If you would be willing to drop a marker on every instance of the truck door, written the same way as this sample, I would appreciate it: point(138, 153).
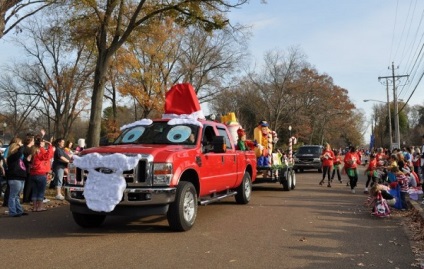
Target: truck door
point(213, 170)
point(229, 164)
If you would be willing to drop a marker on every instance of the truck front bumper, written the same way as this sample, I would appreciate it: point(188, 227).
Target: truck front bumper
point(131, 196)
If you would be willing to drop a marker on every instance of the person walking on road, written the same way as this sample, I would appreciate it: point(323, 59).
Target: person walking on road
point(336, 166)
point(351, 161)
point(370, 172)
point(327, 158)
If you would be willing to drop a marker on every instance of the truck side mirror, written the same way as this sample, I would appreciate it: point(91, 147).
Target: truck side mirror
point(219, 145)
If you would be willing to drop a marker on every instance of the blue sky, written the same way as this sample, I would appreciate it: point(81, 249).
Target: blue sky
point(353, 41)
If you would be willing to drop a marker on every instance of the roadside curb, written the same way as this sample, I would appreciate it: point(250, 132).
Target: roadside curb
point(417, 207)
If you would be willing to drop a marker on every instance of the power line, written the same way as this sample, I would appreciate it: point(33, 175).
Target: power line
point(393, 77)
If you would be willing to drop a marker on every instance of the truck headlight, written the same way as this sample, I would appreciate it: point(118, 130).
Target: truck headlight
point(162, 174)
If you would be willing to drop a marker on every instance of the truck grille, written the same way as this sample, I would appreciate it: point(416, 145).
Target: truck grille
point(139, 176)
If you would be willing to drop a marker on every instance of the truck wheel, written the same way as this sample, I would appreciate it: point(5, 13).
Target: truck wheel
point(288, 182)
point(293, 175)
point(244, 191)
point(183, 211)
point(88, 221)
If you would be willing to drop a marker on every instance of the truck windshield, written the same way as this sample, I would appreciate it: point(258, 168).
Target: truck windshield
point(159, 133)
point(309, 150)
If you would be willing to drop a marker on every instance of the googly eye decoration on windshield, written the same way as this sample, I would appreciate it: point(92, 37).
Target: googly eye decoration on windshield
point(133, 134)
point(179, 134)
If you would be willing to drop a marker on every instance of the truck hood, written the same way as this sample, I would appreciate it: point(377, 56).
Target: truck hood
point(162, 151)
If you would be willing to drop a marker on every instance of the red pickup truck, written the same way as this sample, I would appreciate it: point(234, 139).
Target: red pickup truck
point(180, 166)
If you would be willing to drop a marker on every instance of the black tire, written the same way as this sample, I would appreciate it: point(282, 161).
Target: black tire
point(88, 221)
point(293, 173)
point(183, 211)
point(319, 170)
point(244, 191)
point(287, 183)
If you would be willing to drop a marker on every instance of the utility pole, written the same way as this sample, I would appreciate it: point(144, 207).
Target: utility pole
point(389, 114)
point(395, 101)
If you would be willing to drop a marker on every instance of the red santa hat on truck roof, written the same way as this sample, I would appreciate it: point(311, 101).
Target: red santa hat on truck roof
point(182, 105)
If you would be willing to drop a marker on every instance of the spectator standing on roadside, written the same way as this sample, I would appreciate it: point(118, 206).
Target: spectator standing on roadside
point(40, 166)
point(336, 166)
point(16, 174)
point(422, 158)
point(327, 158)
point(68, 148)
point(401, 163)
point(416, 161)
point(2, 171)
point(28, 143)
point(6, 194)
point(351, 161)
point(60, 163)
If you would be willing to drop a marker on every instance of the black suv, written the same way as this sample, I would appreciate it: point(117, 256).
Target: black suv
point(308, 157)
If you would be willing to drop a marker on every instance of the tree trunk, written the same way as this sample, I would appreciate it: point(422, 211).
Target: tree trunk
point(94, 127)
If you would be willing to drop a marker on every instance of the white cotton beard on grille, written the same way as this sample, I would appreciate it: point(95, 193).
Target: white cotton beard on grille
point(103, 192)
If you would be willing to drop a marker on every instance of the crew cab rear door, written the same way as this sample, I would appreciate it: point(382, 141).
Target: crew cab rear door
point(217, 169)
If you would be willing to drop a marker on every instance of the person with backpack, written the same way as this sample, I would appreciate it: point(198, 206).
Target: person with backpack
point(16, 174)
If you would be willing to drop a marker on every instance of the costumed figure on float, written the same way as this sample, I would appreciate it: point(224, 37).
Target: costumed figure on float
point(242, 143)
point(263, 136)
point(232, 125)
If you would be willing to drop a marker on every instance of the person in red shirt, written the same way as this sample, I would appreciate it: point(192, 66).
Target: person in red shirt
point(337, 164)
point(327, 158)
point(40, 166)
point(381, 157)
point(351, 161)
point(370, 172)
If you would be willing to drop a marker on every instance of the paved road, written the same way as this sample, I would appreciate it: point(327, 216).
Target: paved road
point(310, 227)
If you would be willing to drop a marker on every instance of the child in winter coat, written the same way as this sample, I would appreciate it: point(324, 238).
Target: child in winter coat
point(403, 182)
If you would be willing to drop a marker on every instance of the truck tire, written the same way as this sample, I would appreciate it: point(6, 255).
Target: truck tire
point(288, 182)
point(88, 221)
point(293, 173)
point(244, 191)
point(183, 211)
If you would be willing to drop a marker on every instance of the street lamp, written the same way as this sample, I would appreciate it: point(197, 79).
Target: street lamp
point(290, 128)
point(373, 100)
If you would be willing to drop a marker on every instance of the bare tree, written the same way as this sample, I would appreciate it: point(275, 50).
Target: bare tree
point(13, 12)
point(112, 23)
point(17, 103)
point(59, 72)
point(209, 60)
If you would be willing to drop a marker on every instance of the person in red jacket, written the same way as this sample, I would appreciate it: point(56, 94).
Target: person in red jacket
point(337, 164)
point(351, 161)
point(327, 158)
point(370, 172)
point(40, 166)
